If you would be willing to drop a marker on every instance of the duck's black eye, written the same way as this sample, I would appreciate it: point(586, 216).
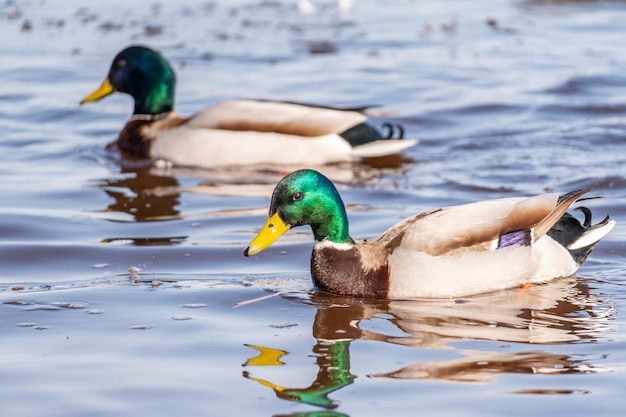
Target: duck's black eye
point(121, 63)
point(298, 196)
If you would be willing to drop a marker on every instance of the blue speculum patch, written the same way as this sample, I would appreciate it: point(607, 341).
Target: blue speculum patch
point(517, 238)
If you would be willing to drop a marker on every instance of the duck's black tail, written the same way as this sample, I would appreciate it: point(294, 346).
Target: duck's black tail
point(580, 238)
point(365, 133)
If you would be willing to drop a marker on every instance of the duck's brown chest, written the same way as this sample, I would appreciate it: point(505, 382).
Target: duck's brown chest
point(342, 272)
point(132, 140)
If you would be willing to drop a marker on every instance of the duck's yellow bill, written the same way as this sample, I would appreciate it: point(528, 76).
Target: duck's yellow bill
point(273, 229)
point(105, 89)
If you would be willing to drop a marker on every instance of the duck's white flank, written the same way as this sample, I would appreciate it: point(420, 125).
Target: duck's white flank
point(418, 274)
point(215, 147)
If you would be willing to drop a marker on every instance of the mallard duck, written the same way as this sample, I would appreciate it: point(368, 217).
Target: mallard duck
point(238, 132)
point(449, 252)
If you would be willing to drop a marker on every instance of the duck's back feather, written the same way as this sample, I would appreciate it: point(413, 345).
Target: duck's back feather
point(472, 226)
point(275, 116)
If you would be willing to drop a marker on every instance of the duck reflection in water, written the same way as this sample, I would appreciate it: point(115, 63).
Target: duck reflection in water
point(152, 191)
point(333, 360)
point(562, 311)
point(142, 193)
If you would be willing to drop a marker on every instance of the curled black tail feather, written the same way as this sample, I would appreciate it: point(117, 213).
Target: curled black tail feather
point(587, 213)
point(391, 130)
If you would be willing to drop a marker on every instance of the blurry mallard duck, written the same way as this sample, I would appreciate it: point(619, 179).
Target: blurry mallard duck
point(238, 132)
point(448, 252)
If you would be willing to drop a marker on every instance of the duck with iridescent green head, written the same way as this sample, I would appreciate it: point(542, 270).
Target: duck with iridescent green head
point(444, 253)
point(237, 132)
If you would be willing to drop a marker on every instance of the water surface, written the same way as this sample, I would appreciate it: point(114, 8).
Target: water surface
point(123, 289)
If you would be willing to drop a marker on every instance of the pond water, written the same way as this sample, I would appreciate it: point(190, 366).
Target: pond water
point(123, 289)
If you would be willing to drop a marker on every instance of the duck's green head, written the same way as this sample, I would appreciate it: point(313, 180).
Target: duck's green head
point(145, 75)
point(304, 197)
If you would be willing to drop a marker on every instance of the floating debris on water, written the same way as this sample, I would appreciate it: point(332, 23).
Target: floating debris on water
point(142, 327)
point(152, 30)
point(67, 305)
point(134, 273)
point(194, 305)
point(43, 307)
point(18, 303)
point(110, 26)
point(322, 47)
point(13, 13)
point(265, 297)
point(284, 325)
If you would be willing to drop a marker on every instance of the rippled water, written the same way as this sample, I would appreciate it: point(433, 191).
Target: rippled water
point(122, 286)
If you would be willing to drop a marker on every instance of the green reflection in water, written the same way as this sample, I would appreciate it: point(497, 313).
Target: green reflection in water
point(333, 360)
point(320, 413)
